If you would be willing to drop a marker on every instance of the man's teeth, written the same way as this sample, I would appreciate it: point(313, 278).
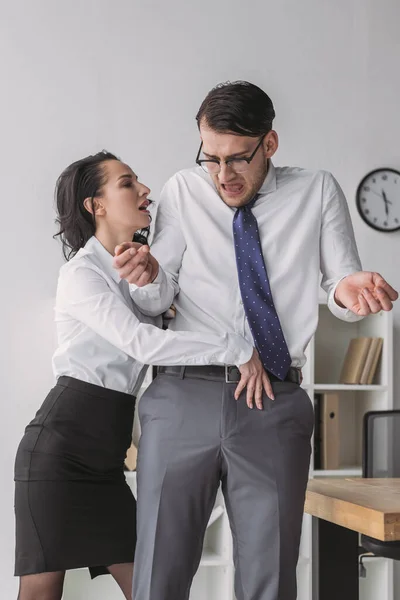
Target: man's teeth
point(233, 188)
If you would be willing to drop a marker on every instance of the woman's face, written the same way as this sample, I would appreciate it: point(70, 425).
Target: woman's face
point(123, 202)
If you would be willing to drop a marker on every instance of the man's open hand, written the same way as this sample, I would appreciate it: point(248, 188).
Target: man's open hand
point(365, 292)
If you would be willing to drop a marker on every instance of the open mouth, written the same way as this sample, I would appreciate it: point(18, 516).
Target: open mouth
point(233, 189)
point(144, 206)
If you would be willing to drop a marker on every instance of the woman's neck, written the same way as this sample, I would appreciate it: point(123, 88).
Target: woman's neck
point(111, 239)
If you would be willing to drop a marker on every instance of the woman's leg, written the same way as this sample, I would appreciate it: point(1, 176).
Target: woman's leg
point(123, 574)
point(41, 586)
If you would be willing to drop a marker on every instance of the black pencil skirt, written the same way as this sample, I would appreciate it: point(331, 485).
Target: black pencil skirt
point(73, 507)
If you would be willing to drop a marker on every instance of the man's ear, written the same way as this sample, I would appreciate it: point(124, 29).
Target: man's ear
point(270, 144)
point(94, 206)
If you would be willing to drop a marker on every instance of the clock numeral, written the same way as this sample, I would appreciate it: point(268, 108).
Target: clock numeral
point(366, 211)
point(366, 188)
point(396, 220)
point(384, 177)
point(373, 180)
point(363, 199)
point(385, 223)
point(375, 220)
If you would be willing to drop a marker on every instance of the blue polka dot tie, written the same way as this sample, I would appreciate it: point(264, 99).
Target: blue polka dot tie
point(256, 294)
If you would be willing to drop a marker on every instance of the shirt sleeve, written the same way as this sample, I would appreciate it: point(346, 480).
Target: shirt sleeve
point(338, 250)
point(156, 297)
point(168, 247)
point(86, 296)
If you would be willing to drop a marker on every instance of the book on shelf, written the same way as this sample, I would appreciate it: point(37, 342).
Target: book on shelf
point(327, 431)
point(361, 360)
point(317, 431)
point(371, 361)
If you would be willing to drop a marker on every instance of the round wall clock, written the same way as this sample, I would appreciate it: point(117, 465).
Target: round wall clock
point(378, 199)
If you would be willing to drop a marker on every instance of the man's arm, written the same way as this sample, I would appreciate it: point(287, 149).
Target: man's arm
point(352, 293)
point(153, 287)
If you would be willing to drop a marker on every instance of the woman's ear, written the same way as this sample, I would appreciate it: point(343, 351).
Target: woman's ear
point(94, 206)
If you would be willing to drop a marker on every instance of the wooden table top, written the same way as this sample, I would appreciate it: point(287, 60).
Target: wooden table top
point(369, 506)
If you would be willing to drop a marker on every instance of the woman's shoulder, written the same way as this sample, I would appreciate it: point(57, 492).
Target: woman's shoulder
point(83, 260)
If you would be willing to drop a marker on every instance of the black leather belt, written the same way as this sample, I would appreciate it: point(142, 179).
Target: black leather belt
point(229, 374)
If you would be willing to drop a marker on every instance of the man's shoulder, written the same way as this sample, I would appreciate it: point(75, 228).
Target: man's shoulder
point(195, 173)
point(302, 174)
point(193, 179)
point(319, 181)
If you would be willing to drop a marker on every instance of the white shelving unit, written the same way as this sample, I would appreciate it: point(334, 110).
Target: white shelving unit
point(325, 353)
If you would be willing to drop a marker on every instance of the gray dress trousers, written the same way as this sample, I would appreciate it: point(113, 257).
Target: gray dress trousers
point(196, 436)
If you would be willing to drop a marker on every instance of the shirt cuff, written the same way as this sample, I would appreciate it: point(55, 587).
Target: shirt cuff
point(338, 311)
point(152, 288)
point(239, 350)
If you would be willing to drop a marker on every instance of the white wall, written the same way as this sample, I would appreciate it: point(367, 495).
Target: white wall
point(83, 75)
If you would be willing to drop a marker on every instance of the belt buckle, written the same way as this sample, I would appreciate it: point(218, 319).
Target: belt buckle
point(228, 374)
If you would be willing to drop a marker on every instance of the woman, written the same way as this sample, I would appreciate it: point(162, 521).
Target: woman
point(73, 507)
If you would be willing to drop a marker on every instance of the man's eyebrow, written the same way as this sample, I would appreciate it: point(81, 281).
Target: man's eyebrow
point(236, 155)
point(212, 156)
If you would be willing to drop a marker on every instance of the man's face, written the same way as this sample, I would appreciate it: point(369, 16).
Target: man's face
point(237, 189)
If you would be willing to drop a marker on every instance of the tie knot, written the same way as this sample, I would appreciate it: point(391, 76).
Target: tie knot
point(250, 204)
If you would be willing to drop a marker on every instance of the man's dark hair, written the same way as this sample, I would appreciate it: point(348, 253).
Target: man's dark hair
point(238, 107)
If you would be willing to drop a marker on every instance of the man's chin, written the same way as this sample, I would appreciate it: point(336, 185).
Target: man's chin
point(233, 200)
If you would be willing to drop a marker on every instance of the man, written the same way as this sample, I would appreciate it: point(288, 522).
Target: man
point(240, 245)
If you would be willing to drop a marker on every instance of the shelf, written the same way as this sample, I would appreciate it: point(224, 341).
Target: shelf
point(303, 562)
point(217, 512)
point(375, 559)
point(343, 472)
point(342, 387)
point(212, 559)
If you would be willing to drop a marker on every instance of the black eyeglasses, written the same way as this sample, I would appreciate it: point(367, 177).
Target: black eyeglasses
point(237, 165)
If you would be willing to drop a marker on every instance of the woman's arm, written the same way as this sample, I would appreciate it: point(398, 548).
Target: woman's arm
point(85, 295)
point(168, 247)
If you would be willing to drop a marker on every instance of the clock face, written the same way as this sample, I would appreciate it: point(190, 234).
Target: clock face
point(378, 199)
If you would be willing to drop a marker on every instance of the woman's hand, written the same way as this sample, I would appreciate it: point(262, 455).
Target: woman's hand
point(135, 263)
point(256, 380)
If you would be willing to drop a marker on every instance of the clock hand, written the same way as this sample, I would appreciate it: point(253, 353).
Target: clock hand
point(385, 197)
point(376, 193)
point(386, 202)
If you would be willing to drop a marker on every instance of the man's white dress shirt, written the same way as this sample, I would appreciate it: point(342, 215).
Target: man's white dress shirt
point(305, 230)
point(104, 339)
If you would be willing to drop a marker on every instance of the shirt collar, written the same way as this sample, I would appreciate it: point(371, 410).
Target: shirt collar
point(269, 184)
point(104, 257)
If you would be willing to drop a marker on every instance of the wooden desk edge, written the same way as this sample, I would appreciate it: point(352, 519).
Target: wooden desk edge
point(371, 522)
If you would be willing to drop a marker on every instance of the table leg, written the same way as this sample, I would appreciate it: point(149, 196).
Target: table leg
point(335, 562)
